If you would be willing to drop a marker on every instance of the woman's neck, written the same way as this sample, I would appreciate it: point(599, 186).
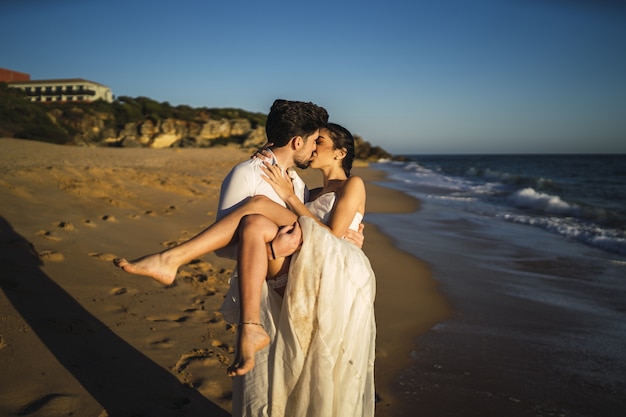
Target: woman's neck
point(333, 178)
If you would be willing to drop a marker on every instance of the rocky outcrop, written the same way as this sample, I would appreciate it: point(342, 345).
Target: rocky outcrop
point(98, 129)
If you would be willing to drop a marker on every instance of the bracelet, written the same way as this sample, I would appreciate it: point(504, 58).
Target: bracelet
point(272, 249)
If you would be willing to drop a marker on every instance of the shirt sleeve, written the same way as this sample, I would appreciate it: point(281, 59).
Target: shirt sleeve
point(236, 187)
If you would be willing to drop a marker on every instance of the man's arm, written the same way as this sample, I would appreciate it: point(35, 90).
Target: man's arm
point(234, 192)
point(354, 237)
point(235, 188)
point(289, 239)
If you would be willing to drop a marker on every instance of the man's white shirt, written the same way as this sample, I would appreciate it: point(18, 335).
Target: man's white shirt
point(246, 180)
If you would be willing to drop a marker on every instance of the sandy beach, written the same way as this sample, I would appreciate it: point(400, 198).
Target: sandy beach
point(81, 337)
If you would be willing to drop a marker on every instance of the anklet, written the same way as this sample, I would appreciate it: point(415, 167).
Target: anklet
point(249, 322)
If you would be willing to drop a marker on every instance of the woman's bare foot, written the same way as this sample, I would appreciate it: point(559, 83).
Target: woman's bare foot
point(252, 338)
point(154, 266)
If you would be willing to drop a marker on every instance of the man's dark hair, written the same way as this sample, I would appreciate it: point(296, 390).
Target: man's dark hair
point(287, 119)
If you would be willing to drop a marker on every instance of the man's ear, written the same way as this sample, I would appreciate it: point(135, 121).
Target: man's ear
point(296, 142)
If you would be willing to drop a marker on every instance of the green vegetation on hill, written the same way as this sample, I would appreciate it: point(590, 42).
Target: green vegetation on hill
point(22, 119)
point(65, 123)
point(132, 110)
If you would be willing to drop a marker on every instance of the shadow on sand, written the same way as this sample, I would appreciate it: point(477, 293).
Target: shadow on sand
point(119, 377)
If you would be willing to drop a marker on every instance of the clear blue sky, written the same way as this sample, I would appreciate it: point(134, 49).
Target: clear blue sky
point(448, 76)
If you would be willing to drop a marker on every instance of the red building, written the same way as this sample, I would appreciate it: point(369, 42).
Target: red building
point(9, 76)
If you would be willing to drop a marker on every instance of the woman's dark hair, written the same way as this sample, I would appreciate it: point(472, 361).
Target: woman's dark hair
point(287, 119)
point(342, 139)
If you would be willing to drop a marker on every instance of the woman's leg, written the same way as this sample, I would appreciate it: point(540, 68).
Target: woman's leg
point(252, 263)
point(163, 266)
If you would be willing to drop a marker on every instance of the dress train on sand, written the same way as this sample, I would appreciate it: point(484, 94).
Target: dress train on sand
point(325, 339)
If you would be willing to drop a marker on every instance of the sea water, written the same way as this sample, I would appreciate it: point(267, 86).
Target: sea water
point(578, 197)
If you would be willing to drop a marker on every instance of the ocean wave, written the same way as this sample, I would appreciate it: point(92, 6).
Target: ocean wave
point(553, 204)
point(417, 168)
point(493, 179)
point(611, 240)
point(418, 176)
point(506, 178)
point(575, 197)
point(452, 198)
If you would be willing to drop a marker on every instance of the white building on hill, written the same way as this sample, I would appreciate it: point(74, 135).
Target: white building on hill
point(71, 89)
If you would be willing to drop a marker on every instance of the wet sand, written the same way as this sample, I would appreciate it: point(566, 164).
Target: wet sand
point(537, 324)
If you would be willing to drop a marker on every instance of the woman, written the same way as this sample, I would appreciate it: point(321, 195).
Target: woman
point(323, 354)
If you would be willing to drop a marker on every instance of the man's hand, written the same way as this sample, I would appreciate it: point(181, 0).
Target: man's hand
point(287, 241)
point(356, 238)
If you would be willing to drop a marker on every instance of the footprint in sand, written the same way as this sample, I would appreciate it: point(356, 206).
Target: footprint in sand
point(66, 226)
point(108, 218)
point(217, 317)
point(200, 359)
point(170, 317)
point(89, 223)
point(165, 343)
point(186, 358)
point(51, 256)
point(118, 291)
point(198, 313)
point(138, 216)
point(199, 301)
point(218, 321)
point(103, 256)
point(46, 234)
point(50, 235)
point(224, 346)
point(200, 265)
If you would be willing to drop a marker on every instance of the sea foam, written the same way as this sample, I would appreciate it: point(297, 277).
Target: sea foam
point(529, 198)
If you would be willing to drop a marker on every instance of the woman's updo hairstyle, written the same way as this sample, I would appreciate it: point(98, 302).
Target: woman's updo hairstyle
point(342, 139)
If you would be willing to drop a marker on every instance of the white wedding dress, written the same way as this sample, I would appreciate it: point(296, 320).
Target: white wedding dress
point(321, 358)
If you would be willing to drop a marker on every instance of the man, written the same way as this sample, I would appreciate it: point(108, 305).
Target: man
point(293, 128)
